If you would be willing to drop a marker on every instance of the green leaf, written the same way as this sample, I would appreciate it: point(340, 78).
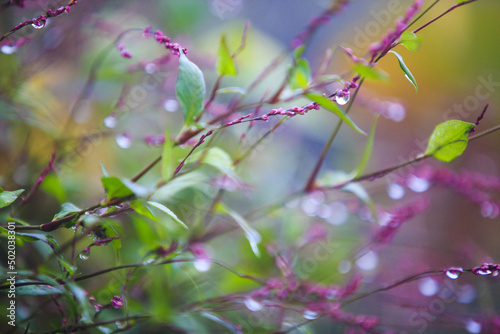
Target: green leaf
point(114, 187)
point(168, 212)
point(140, 207)
point(217, 158)
point(66, 265)
point(251, 234)
point(232, 90)
point(406, 70)
point(7, 197)
point(66, 210)
point(410, 40)
point(190, 89)
point(225, 63)
point(167, 159)
point(449, 140)
point(333, 107)
point(167, 192)
point(86, 310)
point(52, 185)
point(370, 72)
point(300, 74)
point(117, 188)
point(104, 172)
point(368, 151)
point(37, 290)
point(299, 51)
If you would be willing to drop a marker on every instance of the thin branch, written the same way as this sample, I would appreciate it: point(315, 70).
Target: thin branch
point(440, 16)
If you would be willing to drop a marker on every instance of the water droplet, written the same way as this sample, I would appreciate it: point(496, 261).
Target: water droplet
point(8, 49)
point(253, 305)
point(483, 272)
point(473, 326)
point(454, 273)
point(428, 287)
point(342, 100)
point(417, 184)
point(110, 121)
point(171, 105)
point(369, 261)
point(151, 68)
point(202, 265)
point(395, 191)
point(344, 267)
point(124, 140)
point(84, 255)
point(339, 214)
point(38, 24)
point(149, 261)
point(121, 324)
point(310, 315)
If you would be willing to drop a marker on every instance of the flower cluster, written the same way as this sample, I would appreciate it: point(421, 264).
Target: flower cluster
point(487, 269)
point(381, 48)
point(116, 303)
point(161, 38)
point(123, 52)
point(40, 21)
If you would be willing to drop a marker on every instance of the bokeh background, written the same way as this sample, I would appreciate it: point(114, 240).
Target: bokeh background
point(41, 79)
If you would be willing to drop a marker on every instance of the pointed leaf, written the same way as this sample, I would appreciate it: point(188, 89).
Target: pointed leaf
point(140, 207)
point(370, 72)
point(368, 151)
point(251, 234)
point(8, 197)
point(449, 140)
point(66, 210)
point(410, 40)
point(168, 212)
point(232, 90)
point(332, 106)
point(217, 158)
point(298, 51)
point(190, 89)
point(406, 70)
point(300, 74)
point(167, 159)
point(117, 188)
point(104, 172)
point(37, 290)
point(225, 63)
